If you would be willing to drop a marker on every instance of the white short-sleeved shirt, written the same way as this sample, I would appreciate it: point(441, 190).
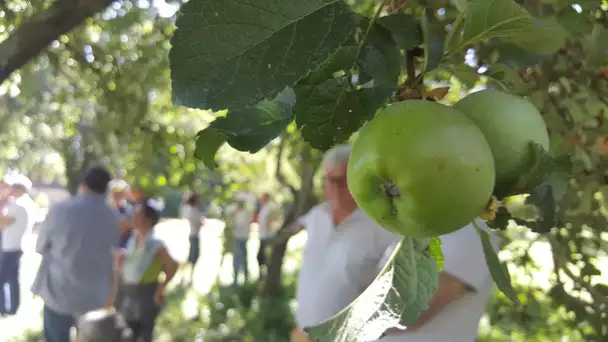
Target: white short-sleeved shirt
point(338, 263)
point(464, 260)
point(242, 222)
point(19, 209)
point(194, 216)
point(266, 219)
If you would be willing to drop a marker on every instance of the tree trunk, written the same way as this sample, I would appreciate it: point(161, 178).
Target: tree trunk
point(304, 201)
point(75, 165)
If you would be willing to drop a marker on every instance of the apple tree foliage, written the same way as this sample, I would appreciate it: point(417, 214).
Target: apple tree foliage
point(329, 65)
point(98, 94)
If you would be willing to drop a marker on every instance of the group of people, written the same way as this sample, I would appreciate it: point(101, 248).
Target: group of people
point(239, 221)
point(98, 251)
point(16, 217)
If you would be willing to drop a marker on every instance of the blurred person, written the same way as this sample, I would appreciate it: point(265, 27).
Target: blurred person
point(182, 204)
point(465, 286)
point(242, 228)
point(4, 197)
point(342, 252)
point(14, 222)
point(193, 214)
point(268, 219)
point(140, 267)
point(4, 192)
point(256, 212)
point(76, 242)
point(119, 195)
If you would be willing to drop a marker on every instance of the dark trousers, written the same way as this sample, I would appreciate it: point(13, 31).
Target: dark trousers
point(239, 259)
point(56, 326)
point(142, 331)
point(262, 252)
point(9, 277)
point(139, 310)
point(195, 249)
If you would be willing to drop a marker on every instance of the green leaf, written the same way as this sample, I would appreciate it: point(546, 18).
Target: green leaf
point(545, 198)
point(435, 251)
point(399, 295)
point(539, 167)
point(331, 111)
point(587, 5)
point(542, 197)
point(502, 219)
point(380, 58)
point(342, 60)
point(576, 23)
point(498, 270)
point(231, 54)
point(545, 37)
point(498, 75)
point(506, 78)
point(208, 142)
point(433, 43)
point(504, 19)
point(465, 74)
point(427, 275)
point(461, 5)
point(405, 29)
point(248, 129)
point(596, 47)
point(516, 57)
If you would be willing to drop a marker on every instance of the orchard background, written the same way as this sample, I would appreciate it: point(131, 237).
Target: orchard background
point(218, 108)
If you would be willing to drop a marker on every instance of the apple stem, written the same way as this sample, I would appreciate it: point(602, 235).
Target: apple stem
point(392, 192)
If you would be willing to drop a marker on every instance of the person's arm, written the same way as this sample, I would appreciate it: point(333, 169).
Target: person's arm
point(464, 271)
point(169, 268)
point(449, 290)
point(118, 257)
point(46, 230)
point(6, 220)
point(293, 229)
point(125, 225)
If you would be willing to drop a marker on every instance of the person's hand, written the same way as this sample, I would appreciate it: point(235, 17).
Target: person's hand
point(298, 335)
point(159, 296)
point(109, 304)
point(119, 257)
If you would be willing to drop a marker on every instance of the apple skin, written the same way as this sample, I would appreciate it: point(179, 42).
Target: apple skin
point(508, 122)
point(433, 157)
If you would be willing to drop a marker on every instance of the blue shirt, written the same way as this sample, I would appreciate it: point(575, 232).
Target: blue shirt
point(76, 241)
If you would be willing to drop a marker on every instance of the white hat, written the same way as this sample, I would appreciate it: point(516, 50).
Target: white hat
point(119, 185)
point(18, 179)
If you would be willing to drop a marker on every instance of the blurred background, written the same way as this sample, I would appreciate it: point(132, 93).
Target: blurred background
point(101, 95)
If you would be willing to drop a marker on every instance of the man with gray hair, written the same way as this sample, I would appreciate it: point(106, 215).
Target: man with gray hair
point(15, 220)
point(343, 248)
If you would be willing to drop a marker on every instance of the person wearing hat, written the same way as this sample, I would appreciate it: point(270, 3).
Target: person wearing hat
point(77, 242)
point(119, 192)
point(14, 222)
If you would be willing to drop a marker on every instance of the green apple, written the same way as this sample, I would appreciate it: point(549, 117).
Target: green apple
point(509, 123)
point(421, 169)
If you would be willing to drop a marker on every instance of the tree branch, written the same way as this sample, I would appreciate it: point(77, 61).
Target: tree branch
point(279, 175)
point(38, 31)
point(578, 281)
